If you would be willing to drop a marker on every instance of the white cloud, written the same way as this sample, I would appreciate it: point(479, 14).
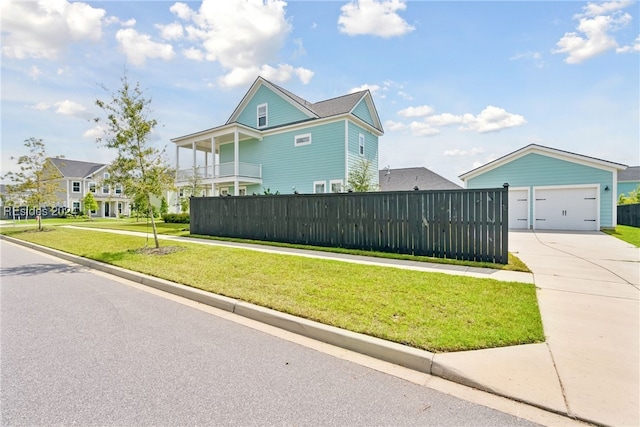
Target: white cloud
point(446, 119)
point(138, 47)
point(300, 50)
point(94, 132)
point(423, 129)
point(35, 72)
point(421, 111)
point(71, 108)
point(65, 108)
point(492, 119)
point(457, 152)
point(372, 88)
point(193, 54)
point(535, 57)
point(240, 76)
point(42, 106)
point(405, 96)
point(372, 17)
point(593, 36)
point(635, 47)
point(595, 9)
point(394, 126)
point(45, 28)
point(173, 31)
point(244, 36)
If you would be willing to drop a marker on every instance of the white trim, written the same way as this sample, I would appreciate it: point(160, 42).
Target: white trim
point(362, 140)
point(545, 151)
point(266, 115)
point(336, 181)
point(614, 199)
point(302, 136)
point(324, 183)
point(567, 187)
point(79, 186)
point(346, 149)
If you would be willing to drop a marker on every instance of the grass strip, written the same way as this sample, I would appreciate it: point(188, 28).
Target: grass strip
point(514, 264)
point(626, 233)
point(431, 311)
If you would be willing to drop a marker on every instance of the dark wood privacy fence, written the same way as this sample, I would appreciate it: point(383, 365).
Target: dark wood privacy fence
point(629, 215)
point(457, 224)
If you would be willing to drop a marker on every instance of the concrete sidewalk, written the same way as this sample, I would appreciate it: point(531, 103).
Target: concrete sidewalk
point(588, 291)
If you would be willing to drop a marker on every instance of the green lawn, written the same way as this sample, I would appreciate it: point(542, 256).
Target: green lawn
point(431, 311)
point(515, 264)
point(626, 233)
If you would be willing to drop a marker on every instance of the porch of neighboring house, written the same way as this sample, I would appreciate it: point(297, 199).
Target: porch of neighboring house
point(230, 176)
point(112, 208)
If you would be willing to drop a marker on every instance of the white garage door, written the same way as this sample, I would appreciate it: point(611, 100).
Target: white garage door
point(519, 208)
point(566, 208)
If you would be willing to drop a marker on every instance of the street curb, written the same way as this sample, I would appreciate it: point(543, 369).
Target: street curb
point(409, 357)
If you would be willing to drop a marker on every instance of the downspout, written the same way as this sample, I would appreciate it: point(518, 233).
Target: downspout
point(346, 153)
point(236, 163)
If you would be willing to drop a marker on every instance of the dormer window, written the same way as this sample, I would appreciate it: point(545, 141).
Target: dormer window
point(262, 115)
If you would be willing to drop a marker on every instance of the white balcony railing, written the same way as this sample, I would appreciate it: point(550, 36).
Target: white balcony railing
point(222, 170)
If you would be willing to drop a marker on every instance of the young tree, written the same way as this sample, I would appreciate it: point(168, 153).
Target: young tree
point(139, 167)
point(35, 181)
point(361, 177)
point(164, 207)
point(194, 189)
point(90, 203)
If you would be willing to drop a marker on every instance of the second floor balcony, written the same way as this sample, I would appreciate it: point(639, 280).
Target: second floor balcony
point(223, 172)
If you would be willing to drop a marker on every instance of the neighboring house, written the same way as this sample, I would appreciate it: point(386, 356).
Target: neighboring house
point(628, 180)
point(553, 189)
point(413, 179)
point(77, 178)
point(279, 142)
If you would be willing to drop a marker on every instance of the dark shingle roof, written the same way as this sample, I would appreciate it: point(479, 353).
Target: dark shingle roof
point(408, 178)
point(75, 168)
point(632, 173)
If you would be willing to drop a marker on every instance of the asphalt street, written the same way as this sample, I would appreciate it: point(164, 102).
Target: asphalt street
point(82, 348)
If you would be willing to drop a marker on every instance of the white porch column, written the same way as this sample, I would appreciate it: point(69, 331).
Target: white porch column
point(193, 147)
point(213, 165)
point(177, 160)
point(236, 163)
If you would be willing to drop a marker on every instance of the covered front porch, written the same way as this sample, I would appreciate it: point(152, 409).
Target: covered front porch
point(204, 168)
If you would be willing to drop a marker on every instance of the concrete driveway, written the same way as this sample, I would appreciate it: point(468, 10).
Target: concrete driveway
point(589, 297)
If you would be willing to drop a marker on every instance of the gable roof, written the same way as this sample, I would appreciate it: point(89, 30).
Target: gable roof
point(75, 168)
point(408, 178)
point(545, 151)
point(632, 173)
point(328, 108)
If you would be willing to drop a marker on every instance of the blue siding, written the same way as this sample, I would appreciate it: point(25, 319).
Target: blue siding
point(285, 167)
point(370, 150)
point(362, 112)
point(538, 170)
point(626, 187)
point(279, 110)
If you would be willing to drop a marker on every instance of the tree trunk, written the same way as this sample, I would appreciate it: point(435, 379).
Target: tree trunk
point(153, 224)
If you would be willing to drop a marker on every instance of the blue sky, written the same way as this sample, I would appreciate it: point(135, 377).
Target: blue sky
point(456, 84)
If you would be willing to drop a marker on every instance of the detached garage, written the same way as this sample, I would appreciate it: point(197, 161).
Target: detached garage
point(551, 189)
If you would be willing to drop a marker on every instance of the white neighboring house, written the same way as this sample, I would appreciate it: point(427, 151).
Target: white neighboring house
point(79, 178)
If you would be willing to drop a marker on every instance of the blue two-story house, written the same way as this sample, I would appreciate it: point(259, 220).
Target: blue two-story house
point(279, 142)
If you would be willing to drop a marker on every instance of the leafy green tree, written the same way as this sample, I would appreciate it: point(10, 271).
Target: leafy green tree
point(90, 203)
point(633, 197)
point(164, 207)
point(194, 189)
point(140, 168)
point(361, 177)
point(35, 183)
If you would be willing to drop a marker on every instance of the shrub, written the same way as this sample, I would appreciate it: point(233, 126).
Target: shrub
point(179, 218)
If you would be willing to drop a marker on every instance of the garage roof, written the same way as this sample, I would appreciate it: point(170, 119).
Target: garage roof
point(545, 151)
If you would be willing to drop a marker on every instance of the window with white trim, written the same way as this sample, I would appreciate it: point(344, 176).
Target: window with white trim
point(118, 189)
point(304, 139)
point(105, 188)
point(75, 187)
point(92, 187)
point(75, 207)
point(242, 191)
point(319, 187)
point(224, 191)
point(361, 144)
point(336, 185)
point(262, 115)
